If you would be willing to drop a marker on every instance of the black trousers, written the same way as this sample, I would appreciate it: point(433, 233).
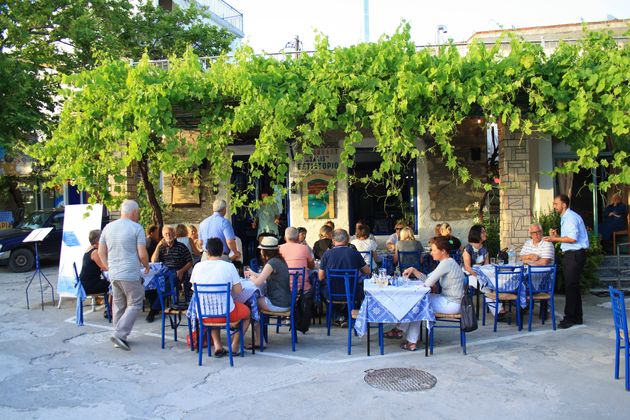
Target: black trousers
point(572, 266)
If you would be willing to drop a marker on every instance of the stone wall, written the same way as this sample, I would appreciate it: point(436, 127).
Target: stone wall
point(514, 191)
point(450, 199)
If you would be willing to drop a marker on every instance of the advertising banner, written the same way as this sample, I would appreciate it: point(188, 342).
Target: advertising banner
point(78, 221)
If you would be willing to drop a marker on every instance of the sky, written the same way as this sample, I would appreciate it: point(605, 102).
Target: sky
point(270, 24)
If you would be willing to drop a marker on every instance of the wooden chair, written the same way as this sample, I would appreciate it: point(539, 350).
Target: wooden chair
point(621, 233)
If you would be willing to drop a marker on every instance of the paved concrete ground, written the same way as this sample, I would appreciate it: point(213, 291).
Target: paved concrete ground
point(50, 368)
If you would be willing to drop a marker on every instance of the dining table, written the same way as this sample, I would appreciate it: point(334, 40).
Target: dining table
point(508, 280)
point(406, 301)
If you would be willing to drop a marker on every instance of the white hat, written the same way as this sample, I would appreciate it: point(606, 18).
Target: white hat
point(268, 242)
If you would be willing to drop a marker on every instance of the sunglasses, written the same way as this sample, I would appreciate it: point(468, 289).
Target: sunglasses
point(535, 232)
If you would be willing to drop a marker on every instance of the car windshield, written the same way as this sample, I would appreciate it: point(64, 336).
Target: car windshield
point(34, 221)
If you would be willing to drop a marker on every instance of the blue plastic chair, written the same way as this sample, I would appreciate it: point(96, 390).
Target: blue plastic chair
point(408, 259)
point(342, 288)
point(266, 316)
point(621, 331)
point(172, 308)
point(213, 301)
point(83, 295)
point(541, 281)
point(508, 283)
point(367, 254)
point(450, 319)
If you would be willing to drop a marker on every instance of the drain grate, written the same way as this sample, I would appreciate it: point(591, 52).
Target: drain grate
point(400, 379)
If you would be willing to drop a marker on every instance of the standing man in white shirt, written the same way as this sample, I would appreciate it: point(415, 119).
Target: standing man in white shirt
point(573, 243)
point(123, 250)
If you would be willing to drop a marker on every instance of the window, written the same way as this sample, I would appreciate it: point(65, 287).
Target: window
point(368, 202)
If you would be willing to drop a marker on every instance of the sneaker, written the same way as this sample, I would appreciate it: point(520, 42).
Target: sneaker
point(119, 343)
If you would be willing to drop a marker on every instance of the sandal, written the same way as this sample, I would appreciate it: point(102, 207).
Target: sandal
point(395, 333)
point(220, 353)
point(408, 346)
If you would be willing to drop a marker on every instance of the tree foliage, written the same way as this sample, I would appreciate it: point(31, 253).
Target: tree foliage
point(42, 38)
point(116, 113)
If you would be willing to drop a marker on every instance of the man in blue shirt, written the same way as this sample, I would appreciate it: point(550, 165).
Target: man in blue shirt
point(573, 243)
point(217, 226)
point(343, 256)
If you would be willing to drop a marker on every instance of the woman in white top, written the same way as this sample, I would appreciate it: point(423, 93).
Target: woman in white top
point(452, 279)
point(363, 243)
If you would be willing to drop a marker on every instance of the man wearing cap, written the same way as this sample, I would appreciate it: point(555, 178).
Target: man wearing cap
point(217, 226)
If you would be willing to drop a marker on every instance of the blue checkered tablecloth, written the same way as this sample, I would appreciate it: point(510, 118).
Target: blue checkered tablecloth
point(507, 280)
point(393, 304)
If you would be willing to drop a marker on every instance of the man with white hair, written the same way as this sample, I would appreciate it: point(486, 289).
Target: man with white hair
point(123, 250)
point(296, 255)
point(217, 226)
point(535, 251)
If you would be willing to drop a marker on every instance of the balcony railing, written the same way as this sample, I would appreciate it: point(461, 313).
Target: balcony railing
point(225, 15)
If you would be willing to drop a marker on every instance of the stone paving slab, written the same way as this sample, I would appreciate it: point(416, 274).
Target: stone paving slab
point(52, 369)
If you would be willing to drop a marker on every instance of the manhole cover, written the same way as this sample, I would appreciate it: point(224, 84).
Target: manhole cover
point(400, 379)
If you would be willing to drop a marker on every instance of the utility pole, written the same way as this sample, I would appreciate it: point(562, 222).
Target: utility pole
point(366, 20)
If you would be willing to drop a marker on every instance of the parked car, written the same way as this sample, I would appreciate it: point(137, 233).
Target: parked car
point(20, 256)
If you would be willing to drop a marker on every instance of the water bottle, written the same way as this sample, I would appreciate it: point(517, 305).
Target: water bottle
point(511, 256)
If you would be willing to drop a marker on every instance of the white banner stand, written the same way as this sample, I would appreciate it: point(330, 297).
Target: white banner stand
point(78, 221)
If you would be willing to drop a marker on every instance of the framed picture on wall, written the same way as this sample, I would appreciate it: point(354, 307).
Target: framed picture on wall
point(317, 201)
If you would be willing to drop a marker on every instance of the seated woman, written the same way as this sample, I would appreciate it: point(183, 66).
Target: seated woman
point(408, 243)
point(90, 276)
point(275, 274)
point(445, 231)
point(363, 243)
point(475, 252)
point(181, 234)
point(215, 270)
point(452, 279)
point(615, 218)
point(193, 234)
point(324, 243)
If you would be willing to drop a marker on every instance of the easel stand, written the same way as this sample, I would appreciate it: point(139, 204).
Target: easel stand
point(36, 237)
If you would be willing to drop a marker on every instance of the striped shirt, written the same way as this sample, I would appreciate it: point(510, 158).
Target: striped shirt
point(175, 256)
point(122, 238)
point(543, 249)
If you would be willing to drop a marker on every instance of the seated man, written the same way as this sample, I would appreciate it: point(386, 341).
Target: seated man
point(535, 251)
point(215, 270)
point(343, 256)
point(296, 255)
point(177, 258)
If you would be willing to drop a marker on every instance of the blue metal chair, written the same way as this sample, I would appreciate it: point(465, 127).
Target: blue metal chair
point(452, 319)
point(541, 281)
point(172, 308)
point(457, 256)
point(266, 316)
point(342, 288)
point(367, 256)
point(213, 301)
point(408, 259)
point(508, 283)
point(82, 295)
point(428, 264)
point(621, 331)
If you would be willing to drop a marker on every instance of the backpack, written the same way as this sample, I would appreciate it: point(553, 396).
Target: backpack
point(303, 311)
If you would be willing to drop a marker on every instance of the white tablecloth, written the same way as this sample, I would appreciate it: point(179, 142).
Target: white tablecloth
point(397, 299)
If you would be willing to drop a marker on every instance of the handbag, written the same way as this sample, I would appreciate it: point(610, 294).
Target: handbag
point(469, 318)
